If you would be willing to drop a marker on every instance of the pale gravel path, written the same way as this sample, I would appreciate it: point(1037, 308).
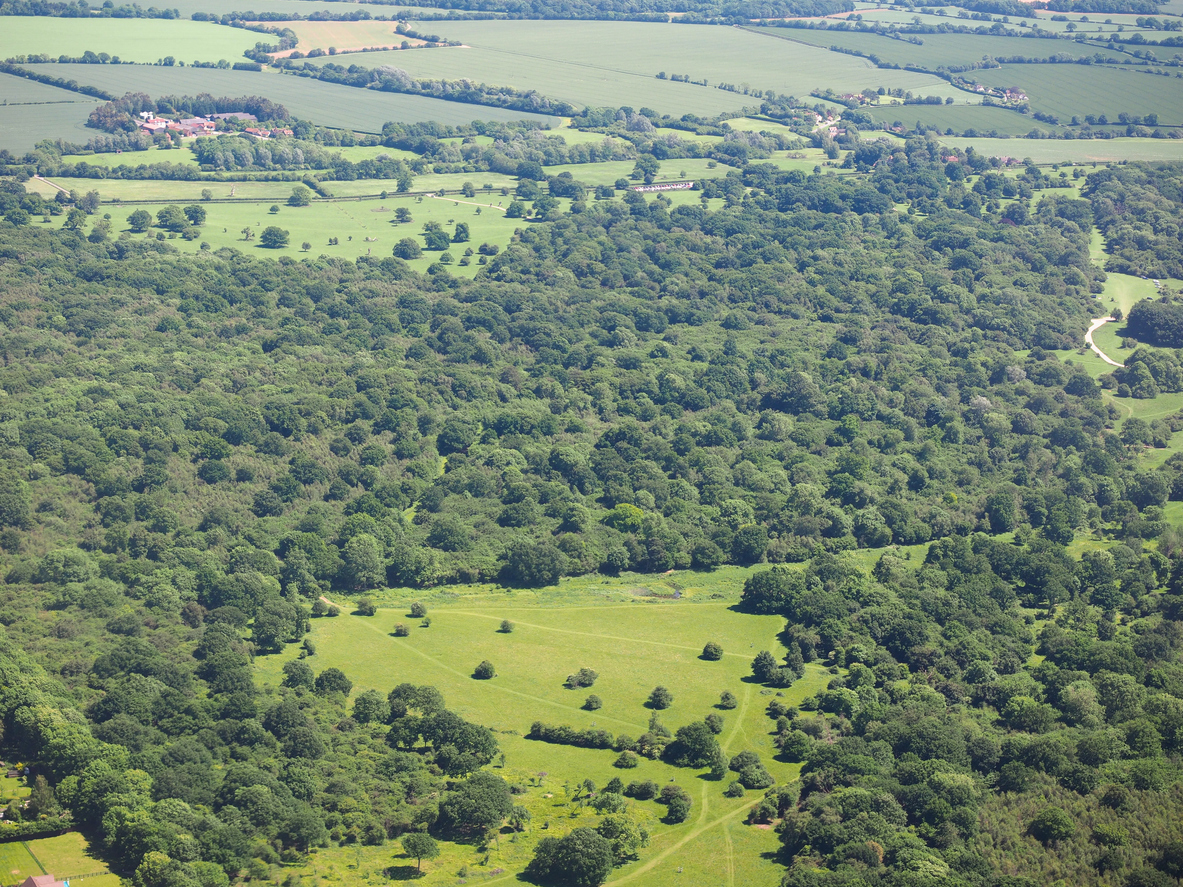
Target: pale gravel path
point(1088, 338)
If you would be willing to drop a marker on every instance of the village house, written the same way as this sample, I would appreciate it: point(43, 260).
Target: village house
point(43, 881)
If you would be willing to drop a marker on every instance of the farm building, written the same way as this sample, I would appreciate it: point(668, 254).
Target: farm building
point(43, 881)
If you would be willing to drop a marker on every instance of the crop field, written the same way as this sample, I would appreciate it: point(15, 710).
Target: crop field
point(16, 863)
point(636, 636)
point(134, 40)
point(344, 107)
point(346, 36)
point(22, 91)
point(1067, 90)
point(1076, 151)
point(23, 126)
point(941, 49)
point(616, 63)
point(959, 118)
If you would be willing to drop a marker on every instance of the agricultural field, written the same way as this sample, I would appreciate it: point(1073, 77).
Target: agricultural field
point(23, 126)
point(1075, 151)
point(959, 118)
point(345, 37)
point(616, 63)
point(132, 40)
point(133, 159)
point(941, 50)
point(636, 635)
point(328, 104)
point(1073, 90)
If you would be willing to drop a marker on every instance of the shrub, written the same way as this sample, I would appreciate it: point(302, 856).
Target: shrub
point(712, 652)
point(727, 700)
point(506, 627)
point(484, 671)
point(733, 790)
point(585, 677)
point(365, 607)
point(418, 610)
point(1052, 824)
point(401, 630)
point(593, 703)
point(642, 791)
point(660, 698)
point(627, 760)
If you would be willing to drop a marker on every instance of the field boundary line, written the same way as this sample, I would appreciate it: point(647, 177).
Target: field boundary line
point(589, 634)
point(29, 849)
point(493, 686)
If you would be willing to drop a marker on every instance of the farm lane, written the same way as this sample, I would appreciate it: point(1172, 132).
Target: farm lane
point(1088, 338)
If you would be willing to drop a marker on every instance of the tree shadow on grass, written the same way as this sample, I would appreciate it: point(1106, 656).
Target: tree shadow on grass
point(402, 873)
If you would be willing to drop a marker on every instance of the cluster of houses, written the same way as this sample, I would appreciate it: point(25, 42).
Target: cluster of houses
point(206, 126)
point(665, 186)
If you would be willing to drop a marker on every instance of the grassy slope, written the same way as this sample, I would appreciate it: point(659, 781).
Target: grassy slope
point(635, 641)
point(136, 40)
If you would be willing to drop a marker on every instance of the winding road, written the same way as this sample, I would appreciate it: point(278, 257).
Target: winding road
point(1088, 338)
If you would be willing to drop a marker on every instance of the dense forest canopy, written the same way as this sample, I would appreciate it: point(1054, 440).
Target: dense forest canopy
point(196, 448)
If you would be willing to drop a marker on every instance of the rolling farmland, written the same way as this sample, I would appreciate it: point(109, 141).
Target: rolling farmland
point(135, 40)
point(1072, 90)
point(959, 118)
point(616, 63)
point(1076, 151)
point(326, 103)
point(942, 50)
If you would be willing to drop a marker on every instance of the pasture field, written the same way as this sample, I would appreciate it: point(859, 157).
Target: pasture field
point(357, 153)
point(133, 159)
point(671, 170)
point(451, 181)
point(69, 856)
point(616, 63)
point(296, 7)
point(23, 126)
point(1068, 90)
point(1076, 151)
point(636, 637)
point(328, 104)
point(164, 190)
point(940, 50)
point(16, 863)
point(959, 118)
point(133, 40)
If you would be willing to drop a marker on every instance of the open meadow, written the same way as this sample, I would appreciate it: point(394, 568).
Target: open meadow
point(346, 107)
point(72, 856)
point(616, 63)
point(132, 40)
point(635, 634)
point(346, 36)
point(16, 863)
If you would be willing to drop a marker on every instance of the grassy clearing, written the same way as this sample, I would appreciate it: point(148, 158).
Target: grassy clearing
point(23, 126)
point(616, 63)
point(133, 159)
point(1067, 90)
point(636, 637)
point(328, 104)
point(958, 118)
point(166, 190)
point(16, 863)
point(1077, 151)
point(941, 50)
point(133, 40)
point(68, 856)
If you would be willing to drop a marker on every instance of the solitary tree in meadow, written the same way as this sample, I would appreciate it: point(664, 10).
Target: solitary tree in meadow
point(421, 846)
